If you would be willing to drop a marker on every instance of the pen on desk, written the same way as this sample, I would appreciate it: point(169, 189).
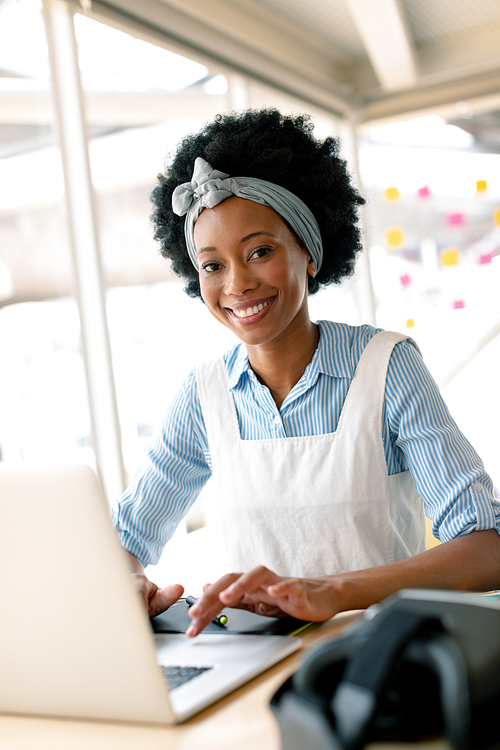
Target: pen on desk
point(219, 620)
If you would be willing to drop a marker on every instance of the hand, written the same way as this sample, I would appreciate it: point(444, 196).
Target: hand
point(156, 600)
point(263, 592)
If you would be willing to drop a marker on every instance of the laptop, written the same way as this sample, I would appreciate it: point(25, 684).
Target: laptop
point(75, 639)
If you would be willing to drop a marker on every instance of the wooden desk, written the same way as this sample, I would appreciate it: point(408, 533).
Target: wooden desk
point(241, 720)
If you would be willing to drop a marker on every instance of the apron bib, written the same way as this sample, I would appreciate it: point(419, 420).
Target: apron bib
point(315, 505)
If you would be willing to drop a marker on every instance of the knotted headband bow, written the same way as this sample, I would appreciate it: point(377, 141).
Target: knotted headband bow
point(209, 187)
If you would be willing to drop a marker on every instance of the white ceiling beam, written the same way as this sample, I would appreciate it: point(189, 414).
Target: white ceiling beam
point(128, 108)
point(384, 31)
point(480, 93)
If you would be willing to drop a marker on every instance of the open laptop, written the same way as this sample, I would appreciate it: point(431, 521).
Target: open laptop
point(75, 640)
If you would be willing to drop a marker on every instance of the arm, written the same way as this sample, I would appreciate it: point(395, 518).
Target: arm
point(161, 494)
point(449, 475)
point(467, 563)
point(167, 485)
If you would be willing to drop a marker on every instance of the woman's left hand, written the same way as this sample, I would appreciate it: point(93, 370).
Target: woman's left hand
point(265, 593)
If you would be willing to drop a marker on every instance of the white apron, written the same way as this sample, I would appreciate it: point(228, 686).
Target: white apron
point(317, 505)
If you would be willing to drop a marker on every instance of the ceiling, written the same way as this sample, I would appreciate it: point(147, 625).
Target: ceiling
point(379, 58)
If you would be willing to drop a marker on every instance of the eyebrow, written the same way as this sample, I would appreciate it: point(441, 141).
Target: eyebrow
point(210, 249)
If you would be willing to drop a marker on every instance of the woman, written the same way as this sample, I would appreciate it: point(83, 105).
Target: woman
point(323, 438)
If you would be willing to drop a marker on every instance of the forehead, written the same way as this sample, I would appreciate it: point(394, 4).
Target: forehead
point(236, 217)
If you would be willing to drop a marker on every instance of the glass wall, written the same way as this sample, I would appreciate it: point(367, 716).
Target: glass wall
point(44, 415)
point(433, 230)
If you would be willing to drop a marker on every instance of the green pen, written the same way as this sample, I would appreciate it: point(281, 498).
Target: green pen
point(219, 620)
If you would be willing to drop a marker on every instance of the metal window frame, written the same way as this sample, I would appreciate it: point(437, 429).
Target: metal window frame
point(86, 253)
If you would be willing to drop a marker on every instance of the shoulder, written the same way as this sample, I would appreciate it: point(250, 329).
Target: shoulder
point(344, 334)
point(344, 341)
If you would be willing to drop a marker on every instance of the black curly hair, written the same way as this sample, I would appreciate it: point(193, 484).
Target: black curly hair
point(277, 148)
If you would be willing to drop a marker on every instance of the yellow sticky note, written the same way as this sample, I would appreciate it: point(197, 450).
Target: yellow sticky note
point(496, 216)
point(394, 238)
point(392, 194)
point(450, 256)
point(481, 186)
point(410, 323)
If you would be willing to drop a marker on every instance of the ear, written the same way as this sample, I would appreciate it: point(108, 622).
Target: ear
point(311, 267)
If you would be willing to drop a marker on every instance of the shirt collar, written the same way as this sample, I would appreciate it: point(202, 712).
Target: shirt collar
point(332, 356)
point(236, 364)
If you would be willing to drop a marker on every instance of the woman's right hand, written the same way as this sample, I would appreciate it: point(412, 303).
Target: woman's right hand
point(156, 599)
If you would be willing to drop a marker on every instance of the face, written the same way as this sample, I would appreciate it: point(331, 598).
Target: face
point(253, 270)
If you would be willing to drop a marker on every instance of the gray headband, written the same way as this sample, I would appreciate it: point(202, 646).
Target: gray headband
point(209, 187)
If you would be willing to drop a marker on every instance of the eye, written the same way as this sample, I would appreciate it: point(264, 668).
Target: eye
point(211, 266)
point(260, 252)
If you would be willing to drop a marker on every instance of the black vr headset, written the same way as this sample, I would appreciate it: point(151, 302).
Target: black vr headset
point(423, 664)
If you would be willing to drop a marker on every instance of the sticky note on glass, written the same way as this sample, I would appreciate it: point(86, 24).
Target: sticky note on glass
point(392, 194)
point(458, 304)
point(410, 323)
point(450, 256)
point(394, 237)
point(455, 220)
point(496, 217)
point(481, 186)
point(423, 192)
point(405, 279)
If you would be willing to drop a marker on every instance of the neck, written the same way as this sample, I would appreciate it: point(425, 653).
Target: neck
point(279, 364)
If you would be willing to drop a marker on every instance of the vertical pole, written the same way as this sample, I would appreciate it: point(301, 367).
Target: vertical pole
point(71, 123)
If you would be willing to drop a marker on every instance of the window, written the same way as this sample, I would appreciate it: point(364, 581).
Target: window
point(44, 415)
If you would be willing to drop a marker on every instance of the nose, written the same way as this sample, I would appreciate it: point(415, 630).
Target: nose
point(239, 279)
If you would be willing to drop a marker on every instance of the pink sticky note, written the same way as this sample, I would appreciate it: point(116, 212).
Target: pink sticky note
point(486, 258)
point(405, 279)
point(455, 220)
point(458, 304)
point(423, 192)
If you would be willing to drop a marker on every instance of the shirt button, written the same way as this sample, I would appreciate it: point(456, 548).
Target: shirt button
point(277, 419)
point(478, 486)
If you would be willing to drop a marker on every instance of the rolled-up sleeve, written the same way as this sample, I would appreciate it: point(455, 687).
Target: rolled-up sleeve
point(458, 494)
point(177, 468)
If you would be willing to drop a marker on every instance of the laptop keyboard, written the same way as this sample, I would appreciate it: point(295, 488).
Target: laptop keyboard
point(176, 675)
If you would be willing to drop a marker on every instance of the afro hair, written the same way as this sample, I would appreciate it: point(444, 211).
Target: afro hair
point(280, 149)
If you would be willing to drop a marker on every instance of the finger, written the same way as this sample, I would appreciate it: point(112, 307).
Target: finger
point(257, 578)
point(269, 610)
point(208, 605)
point(163, 598)
point(288, 587)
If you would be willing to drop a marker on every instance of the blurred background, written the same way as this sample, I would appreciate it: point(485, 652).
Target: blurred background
point(95, 332)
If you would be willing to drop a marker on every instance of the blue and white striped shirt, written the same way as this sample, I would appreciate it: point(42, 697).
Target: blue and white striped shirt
point(418, 434)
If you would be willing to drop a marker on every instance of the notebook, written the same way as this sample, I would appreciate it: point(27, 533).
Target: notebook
point(75, 637)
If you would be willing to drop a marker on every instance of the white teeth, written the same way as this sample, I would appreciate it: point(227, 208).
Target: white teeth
point(250, 310)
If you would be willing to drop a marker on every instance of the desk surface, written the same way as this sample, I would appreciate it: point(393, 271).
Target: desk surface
point(242, 719)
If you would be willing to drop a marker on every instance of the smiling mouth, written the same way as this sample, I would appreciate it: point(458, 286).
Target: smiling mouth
point(247, 312)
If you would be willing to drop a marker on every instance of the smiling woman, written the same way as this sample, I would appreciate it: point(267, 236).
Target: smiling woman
point(325, 441)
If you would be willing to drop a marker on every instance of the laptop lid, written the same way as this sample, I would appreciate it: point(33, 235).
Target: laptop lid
point(65, 583)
